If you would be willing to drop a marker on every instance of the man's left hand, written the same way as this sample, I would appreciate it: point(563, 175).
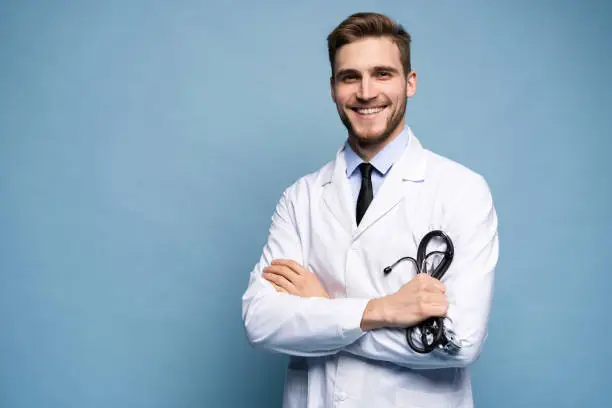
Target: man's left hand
point(290, 277)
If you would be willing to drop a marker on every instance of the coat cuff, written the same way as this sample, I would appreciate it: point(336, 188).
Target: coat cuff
point(351, 315)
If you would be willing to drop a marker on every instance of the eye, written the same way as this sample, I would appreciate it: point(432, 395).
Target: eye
point(383, 75)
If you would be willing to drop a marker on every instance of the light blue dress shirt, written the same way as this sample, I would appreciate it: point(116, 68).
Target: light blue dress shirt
point(382, 162)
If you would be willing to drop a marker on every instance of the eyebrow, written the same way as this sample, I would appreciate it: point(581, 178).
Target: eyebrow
point(347, 71)
point(385, 68)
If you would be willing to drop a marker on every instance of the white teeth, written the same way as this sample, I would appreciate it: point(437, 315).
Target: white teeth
point(369, 111)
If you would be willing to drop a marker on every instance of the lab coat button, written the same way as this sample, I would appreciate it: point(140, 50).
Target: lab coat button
point(341, 396)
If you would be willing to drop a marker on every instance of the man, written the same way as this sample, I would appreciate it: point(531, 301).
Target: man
point(319, 293)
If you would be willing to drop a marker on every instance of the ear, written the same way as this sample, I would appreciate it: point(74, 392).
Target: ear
point(332, 84)
point(411, 84)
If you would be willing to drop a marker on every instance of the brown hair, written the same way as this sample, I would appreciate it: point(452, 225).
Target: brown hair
point(362, 25)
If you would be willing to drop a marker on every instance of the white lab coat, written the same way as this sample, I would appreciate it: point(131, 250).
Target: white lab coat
point(333, 362)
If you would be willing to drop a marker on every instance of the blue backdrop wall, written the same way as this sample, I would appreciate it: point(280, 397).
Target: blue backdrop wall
point(144, 144)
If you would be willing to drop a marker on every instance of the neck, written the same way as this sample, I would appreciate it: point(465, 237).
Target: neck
point(367, 151)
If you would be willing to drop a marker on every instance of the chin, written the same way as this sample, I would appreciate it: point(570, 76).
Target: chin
point(370, 137)
point(369, 134)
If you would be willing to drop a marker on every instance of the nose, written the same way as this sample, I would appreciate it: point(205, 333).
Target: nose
point(366, 90)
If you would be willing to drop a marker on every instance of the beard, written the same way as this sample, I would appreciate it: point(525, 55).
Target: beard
point(366, 139)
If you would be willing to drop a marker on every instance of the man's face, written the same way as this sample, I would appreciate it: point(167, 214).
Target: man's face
point(370, 89)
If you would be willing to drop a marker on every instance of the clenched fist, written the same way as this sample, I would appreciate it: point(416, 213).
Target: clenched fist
point(421, 298)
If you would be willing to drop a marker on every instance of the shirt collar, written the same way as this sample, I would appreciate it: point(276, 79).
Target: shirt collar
point(384, 159)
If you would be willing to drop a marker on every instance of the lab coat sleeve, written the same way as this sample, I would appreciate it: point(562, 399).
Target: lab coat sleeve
point(469, 283)
point(290, 324)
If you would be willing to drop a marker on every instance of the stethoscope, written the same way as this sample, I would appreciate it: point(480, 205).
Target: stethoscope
point(433, 332)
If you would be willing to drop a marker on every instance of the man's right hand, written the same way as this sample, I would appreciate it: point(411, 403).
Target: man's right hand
point(421, 298)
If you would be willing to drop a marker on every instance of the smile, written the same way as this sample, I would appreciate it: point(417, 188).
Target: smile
point(369, 111)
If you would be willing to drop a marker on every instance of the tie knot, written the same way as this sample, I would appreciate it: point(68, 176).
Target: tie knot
point(366, 170)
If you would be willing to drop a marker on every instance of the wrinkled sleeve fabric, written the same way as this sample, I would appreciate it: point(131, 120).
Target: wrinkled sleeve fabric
point(469, 282)
point(288, 324)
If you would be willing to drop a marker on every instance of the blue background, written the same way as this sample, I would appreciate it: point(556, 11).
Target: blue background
point(144, 144)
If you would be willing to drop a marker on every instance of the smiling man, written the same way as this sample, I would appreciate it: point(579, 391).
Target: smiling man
point(321, 292)
point(370, 85)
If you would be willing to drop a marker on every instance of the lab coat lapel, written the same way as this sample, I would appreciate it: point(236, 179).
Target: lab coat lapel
point(399, 184)
point(337, 194)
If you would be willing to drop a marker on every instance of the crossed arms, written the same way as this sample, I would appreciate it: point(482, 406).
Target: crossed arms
point(285, 309)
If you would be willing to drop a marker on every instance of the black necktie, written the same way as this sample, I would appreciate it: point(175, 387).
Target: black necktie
point(366, 193)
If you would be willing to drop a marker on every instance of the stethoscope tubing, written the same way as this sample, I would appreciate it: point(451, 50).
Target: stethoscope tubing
point(435, 325)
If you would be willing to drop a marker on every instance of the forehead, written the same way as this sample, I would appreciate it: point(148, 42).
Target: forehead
point(364, 54)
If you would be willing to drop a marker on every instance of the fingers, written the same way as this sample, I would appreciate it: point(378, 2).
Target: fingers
point(436, 310)
point(278, 288)
point(427, 283)
point(278, 280)
point(408, 309)
point(284, 273)
point(432, 304)
point(292, 265)
point(282, 270)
